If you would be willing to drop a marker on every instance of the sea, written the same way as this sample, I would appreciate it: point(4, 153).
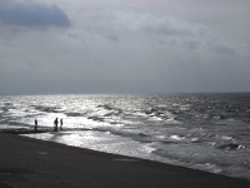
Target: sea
point(207, 132)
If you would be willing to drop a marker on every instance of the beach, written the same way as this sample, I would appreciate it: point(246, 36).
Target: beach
point(26, 162)
point(209, 133)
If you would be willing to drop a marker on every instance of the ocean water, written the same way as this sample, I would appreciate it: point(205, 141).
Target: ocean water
point(210, 133)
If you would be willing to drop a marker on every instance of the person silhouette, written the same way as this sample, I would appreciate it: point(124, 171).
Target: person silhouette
point(61, 123)
point(56, 124)
point(36, 125)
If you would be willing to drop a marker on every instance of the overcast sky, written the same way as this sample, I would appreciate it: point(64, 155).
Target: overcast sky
point(124, 46)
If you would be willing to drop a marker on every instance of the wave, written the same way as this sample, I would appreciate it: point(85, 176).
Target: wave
point(209, 159)
point(137, 136)
point(74, 114)
point(111, 109)
point(7, 107)
point(96, 118)
point(231, 146)
point(47, 109)
point(18, 124)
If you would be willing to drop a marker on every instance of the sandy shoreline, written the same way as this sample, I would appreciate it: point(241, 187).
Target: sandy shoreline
point(27, 162)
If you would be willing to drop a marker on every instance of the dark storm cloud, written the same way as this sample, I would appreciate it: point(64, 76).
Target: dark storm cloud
point(32, 15)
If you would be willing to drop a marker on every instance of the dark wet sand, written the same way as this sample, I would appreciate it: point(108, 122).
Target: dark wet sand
point(26, 163)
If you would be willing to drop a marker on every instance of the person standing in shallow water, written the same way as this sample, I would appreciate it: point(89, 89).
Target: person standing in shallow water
point(36, 125)
point(61, 123)
point(56, 124)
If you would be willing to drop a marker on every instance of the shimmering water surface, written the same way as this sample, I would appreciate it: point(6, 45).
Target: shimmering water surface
point(210, 133)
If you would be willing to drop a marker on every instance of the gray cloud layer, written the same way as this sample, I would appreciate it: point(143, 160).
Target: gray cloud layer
point(133, 46)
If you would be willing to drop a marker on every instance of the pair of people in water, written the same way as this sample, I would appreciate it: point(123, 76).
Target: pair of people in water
point(56, 122)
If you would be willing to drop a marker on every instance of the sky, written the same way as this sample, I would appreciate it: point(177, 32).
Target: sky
point(124, 46)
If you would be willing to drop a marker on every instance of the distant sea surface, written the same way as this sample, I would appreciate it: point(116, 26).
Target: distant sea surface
point(210, 133)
